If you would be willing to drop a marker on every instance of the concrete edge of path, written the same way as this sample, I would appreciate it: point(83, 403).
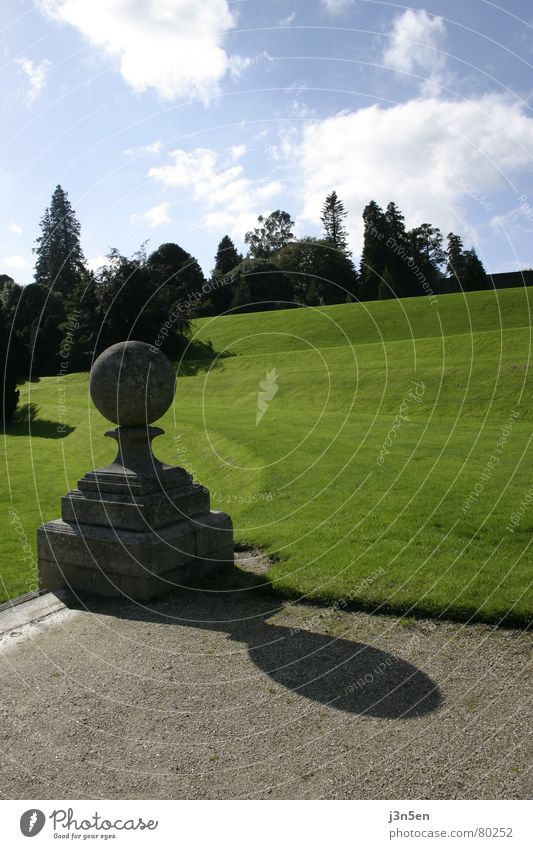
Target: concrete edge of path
point(18, 614)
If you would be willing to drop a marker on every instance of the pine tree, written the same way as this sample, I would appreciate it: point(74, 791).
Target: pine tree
point(455, 254)
point(227, 257)
point(475, 276)
point(60, 262)
point(333, 215)
point(373, 255)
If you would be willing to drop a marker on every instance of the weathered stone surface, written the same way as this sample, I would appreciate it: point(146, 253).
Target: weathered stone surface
point(132, 383)
point(135, 513)
point(137, 527)
point(189, 575)
point(106, 561)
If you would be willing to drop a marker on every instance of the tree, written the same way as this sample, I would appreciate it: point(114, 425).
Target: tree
point(5, 278)
point(138, 299)
point(386, 286)
point(259, 285)
point(319, 273)
point(373, 254)
point(34, 314)
point(428, 257)
point(8, 385)
point(80, 328)
point(227, 257)
point(455, 254)
point(273, 233)
point(475, 276)
point(397, 254)
point(333, 215)
point(60, 262)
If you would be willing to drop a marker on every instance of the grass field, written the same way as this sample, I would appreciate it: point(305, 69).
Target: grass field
point(391, 468)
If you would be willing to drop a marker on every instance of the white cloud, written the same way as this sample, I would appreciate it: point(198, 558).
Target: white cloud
point(230, 198)
point(173, 46)
point(15, 228)
point(237, 151)
point(286, 22)
point(336, 7)
point(421, 154)
point(155, 216)
point(144, 149)
point(97, 262)
point(36, 75)
point(15, 262)
point(414, 47)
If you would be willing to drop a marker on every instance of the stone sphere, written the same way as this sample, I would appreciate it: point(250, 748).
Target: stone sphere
point(132, 384)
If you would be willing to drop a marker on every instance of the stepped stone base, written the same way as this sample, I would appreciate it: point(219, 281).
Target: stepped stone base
point(138, 529)
point(139, 565)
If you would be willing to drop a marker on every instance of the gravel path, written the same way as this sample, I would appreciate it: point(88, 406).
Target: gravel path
point(225, 695)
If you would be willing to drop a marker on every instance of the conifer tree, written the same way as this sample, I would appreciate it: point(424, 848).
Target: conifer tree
point(59, 258)
point(455, 255)
point(373, 256)
point(227, 257)
point(475, 276)
point(333, 215)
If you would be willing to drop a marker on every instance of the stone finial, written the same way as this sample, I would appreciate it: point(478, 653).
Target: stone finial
point(137, 527)
point(132, 384)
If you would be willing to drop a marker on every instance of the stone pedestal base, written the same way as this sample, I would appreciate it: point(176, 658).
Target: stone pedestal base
point(139, 530)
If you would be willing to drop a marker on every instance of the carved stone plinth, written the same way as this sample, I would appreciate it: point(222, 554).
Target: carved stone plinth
point(138, 527)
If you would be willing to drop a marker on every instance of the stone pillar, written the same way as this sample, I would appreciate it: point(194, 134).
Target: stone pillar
point(137, 528)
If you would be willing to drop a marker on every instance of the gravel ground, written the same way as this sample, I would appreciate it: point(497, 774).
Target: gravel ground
point(227, 695)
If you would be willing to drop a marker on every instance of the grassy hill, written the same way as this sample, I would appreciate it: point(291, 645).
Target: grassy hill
point(385, 470)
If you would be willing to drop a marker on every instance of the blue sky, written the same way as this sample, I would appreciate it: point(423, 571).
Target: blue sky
point(182, 120)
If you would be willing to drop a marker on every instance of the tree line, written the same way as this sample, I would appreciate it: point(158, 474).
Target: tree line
point(62, 320)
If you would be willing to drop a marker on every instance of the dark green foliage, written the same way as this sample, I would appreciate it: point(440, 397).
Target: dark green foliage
point(227, 258)
point(386, 286)
point(428, 257)
point(257, 285)
point(79, 330)
point(465, 266)
point(5, 278)
point(8, 384)
point(333, 215)
point(455, 254)
point(145, 299)
point(413, 259)
point(318, 273)
point(34, 314)
point(59, 261)
point(372, 259)
point(273, 233)
point(180, 277)
point(475, 276)
point(299, 262)
point(396, 253)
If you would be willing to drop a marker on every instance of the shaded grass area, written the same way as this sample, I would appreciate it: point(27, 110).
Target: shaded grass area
point(421, 525)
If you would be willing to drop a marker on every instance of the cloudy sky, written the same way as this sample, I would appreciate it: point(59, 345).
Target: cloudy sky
point(182, 120)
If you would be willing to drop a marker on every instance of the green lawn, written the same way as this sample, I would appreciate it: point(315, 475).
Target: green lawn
point(313, 482)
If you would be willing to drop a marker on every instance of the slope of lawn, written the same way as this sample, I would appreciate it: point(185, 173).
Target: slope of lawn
point(386, 468)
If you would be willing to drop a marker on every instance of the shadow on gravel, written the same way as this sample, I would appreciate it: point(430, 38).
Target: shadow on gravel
point(345, 675)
